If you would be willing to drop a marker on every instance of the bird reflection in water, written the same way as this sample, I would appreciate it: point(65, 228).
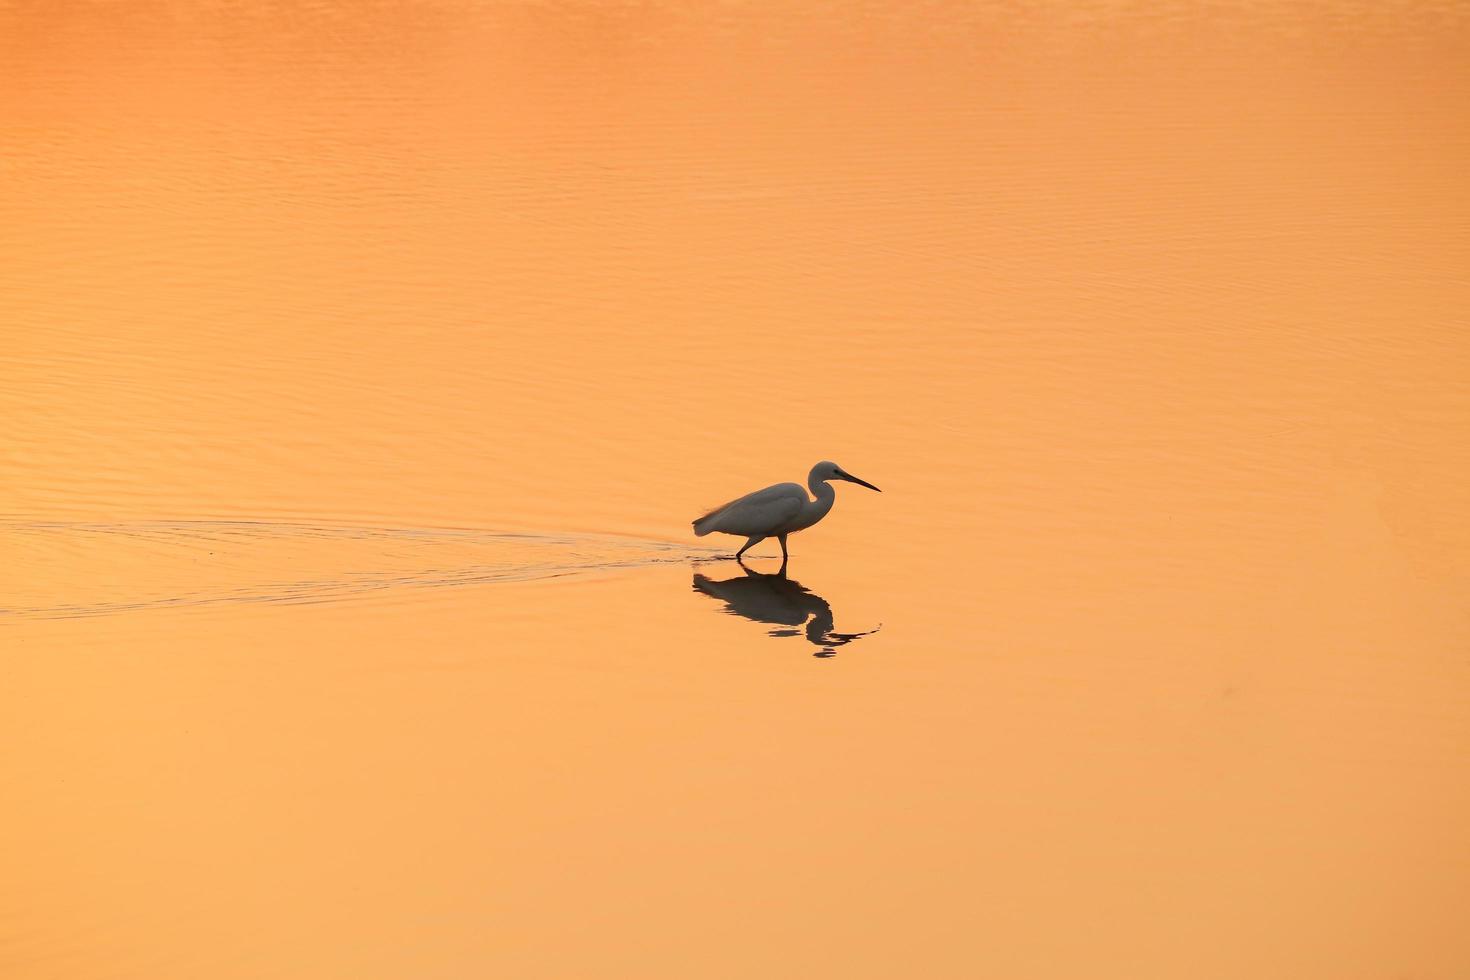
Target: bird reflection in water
point(782, 602)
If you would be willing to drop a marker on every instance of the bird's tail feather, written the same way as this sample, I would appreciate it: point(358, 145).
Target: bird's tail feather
point(704, 525)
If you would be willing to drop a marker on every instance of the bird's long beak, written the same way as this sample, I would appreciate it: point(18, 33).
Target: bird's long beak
point(862, 483)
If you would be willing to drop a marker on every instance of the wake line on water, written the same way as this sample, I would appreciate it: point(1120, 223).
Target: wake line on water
point(106, 568)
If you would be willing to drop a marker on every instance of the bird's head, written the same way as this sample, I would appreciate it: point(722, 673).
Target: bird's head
point(831, 471)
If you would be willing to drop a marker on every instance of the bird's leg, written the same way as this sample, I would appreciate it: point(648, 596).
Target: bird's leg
point(753, 539)
point(784, 555)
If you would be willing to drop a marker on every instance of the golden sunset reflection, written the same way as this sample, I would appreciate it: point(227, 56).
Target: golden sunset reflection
point(365, 363)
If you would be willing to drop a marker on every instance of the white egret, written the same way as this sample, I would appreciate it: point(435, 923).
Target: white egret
point(779, 510)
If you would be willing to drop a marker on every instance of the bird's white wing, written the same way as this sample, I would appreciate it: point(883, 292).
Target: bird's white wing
point(756, 513)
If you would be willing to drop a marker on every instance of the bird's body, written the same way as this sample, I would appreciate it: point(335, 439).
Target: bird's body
point(777, 510)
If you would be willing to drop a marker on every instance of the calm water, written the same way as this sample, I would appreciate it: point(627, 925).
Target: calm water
point(364, 364)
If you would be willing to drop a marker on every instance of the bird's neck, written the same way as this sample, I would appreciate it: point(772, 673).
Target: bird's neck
point(812, 512)
point(825, 494)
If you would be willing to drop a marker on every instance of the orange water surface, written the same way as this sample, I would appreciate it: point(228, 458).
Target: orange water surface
point(363, 363)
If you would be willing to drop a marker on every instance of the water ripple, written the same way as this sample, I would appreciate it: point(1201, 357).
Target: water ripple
point(62, 570)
